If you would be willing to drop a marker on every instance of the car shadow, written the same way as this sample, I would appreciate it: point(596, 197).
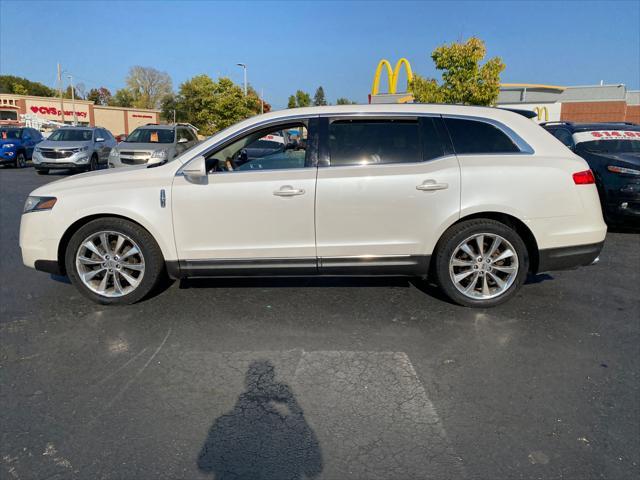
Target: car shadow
point(265, 436)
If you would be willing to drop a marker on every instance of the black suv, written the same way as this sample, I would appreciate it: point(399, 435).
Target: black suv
point(612, 150)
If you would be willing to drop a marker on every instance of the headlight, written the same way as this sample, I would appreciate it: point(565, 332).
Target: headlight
point(622, 170)
point(9, 145)
point(80, 149)
point(37, 204)
point(159, 154)
point(113, 153)
point(37, 150)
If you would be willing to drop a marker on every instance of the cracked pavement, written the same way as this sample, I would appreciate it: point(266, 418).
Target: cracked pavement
point(318, 378)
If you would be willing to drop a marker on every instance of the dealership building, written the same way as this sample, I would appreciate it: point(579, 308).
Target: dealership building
point(591, 103)
point(117, 120)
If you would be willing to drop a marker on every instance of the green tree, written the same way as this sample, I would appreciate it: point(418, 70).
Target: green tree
point(67, 93)
point(292, 101)
point(345, 101)
point(122, 98)
point(303, 99)
point(318, 98)
point(464, 80)
point(148, 86)
point(19, 89)
point(8, 82)
point(99, 96)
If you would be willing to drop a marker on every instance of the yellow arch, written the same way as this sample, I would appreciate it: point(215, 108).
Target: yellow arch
point(392, 75)
point(539, 111)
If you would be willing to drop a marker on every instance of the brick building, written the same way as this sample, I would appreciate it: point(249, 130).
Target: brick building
point(593, 103)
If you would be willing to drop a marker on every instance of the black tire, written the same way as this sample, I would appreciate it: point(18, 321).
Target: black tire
point(153, 259)
point(93, 163)
point(42, 171)
point(457, 234)
point(21, 160)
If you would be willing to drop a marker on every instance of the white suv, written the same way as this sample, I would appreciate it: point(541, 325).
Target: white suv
point(476, 197)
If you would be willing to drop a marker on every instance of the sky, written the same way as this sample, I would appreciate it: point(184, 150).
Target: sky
point(301, 45)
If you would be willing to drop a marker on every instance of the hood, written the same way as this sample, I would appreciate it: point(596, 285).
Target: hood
point(64, 145)
point(16, 141)
point(132, 177)
point(148, 147)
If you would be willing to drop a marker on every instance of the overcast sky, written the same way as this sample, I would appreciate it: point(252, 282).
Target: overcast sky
point(300, 45)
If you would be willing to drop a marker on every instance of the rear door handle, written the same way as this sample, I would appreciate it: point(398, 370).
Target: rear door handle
point(289, 191)
point(431, 185)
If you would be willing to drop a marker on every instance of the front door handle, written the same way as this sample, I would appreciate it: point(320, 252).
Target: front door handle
point(289, 191)
point(431, 185)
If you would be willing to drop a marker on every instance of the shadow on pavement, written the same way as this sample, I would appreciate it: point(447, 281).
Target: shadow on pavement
point(264, 437)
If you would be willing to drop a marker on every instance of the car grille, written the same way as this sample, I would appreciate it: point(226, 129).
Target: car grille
point(51, 153)
point(134, 158)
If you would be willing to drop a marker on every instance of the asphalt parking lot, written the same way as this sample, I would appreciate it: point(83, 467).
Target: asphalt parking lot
point(318, 378)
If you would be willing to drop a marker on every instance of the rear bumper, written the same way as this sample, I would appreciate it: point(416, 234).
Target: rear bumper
point(566, 258)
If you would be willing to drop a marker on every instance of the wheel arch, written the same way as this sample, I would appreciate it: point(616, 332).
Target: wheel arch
point(511, 221)
point(78, 224)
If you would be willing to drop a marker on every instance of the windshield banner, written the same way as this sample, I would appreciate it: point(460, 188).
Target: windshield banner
point(605, 135)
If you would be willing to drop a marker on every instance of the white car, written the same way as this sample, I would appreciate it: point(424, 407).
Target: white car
point(476, 197)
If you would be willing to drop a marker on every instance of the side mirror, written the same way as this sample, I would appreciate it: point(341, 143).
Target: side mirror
point(183, 140)
point(196, 170)
point(99, 139)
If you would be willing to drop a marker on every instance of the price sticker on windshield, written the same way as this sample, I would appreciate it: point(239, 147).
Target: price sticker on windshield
point(596, 135)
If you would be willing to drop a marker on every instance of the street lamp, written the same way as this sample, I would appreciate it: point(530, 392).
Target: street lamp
point(73, 99)
point(244, 68)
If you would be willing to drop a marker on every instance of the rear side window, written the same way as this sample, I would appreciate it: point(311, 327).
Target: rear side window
point(371, 142)
point(564, 136)
point(471, 136)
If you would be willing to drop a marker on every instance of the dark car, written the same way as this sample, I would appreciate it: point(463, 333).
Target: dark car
point(17, 144)
point(612, 150)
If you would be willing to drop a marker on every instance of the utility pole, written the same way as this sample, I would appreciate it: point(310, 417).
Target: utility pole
point(60, 92)
point(262, 100)
point(73, 100)
point(244, 67)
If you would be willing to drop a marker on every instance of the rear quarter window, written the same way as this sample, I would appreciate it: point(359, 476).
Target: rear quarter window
point(477, 137)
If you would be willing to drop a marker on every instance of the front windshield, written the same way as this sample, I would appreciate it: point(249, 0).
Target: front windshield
point(71, 135)
point(151, 135)
point(7, 133)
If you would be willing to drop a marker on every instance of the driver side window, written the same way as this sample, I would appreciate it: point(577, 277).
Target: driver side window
point(281, 147)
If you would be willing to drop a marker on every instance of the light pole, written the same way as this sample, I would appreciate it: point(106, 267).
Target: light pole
point(244, 68)
point(73, 99)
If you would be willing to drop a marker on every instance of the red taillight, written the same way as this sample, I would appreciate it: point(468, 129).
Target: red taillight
point(584, 178)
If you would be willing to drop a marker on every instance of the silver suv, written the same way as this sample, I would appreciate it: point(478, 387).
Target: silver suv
point(153, 143)
point(74, 148)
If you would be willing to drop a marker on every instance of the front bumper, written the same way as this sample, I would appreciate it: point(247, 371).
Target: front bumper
point(7, 156)
point(36, 241)
point(78, 160)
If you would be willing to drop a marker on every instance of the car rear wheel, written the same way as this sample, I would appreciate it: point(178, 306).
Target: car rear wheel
point(21, 160)
point(93, 163)
point(481, 263)
point(113, 261)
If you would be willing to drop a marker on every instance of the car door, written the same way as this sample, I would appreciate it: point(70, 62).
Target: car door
point(385, 188)
point(28, 141)
point(259, 215)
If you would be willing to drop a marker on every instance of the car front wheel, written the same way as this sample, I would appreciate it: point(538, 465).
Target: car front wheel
point(21, 160)
point(113, 261)
point(481, 263)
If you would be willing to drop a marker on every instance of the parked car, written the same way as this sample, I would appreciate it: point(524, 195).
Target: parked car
point(74, 148)
point(612, 150)
point(477, 196)
point(17, 144)
point(153, 144)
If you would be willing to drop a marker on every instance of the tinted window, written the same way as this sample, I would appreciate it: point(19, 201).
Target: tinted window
point(431, 145)
point(7, 133)
point(370, 142)
point(564, 136)
point(470, 136)
point(151, 135)
point(70, 135)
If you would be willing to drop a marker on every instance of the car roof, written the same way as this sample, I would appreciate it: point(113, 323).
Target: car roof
point(157, 126)
point(587, 127)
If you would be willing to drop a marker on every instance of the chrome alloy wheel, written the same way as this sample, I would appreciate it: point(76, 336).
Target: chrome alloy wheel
point(483, 266)
point(110, 264)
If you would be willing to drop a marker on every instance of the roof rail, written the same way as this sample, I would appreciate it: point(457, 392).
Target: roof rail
point(558, 122)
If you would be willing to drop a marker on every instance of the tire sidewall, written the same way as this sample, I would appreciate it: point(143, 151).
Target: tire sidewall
point(458, 234)
point(21, 163)
point(153, 259)
point(93, 163)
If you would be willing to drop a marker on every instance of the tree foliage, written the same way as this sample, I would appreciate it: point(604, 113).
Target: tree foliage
point(122, 98)
point(345, 101)
point(211, 105)
point(99, 96)
point(148, 86)
point(291, 103)
point(318, 98)
point(22, 86)
point(464, 80)
point(300, 99)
